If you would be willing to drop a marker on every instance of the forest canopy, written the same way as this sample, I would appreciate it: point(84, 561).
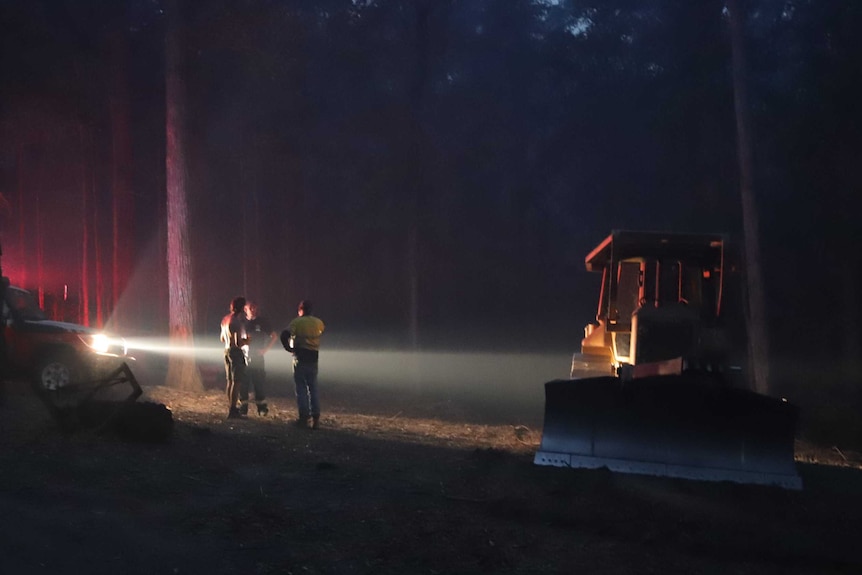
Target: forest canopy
point(426, 163)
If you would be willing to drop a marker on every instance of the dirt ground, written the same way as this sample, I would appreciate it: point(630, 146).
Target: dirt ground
point(398, 484)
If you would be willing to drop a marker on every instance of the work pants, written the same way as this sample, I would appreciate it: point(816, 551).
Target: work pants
point(305, 379)
point(235, 373)
point(256, 380)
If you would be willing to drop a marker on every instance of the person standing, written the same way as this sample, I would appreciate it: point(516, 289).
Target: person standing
point(262, 338)
point(302, 338)
point(234, 335)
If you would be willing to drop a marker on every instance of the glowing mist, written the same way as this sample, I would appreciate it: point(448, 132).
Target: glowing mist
point(510, 381)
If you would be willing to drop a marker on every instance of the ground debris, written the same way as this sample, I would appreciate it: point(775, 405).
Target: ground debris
point(410, 494)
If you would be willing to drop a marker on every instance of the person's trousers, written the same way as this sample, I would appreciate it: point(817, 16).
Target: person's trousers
point(305, 379)
point(235, 373)
point(256, 380)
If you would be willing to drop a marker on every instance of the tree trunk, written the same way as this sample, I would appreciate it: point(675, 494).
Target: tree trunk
point(182, 368)
point(40, 250)
point(99, 284)
point(418, 84)
point(245, 225)
point(22, 216)
point(758, 337)
point(84, 304)
point(121, 187)
point(252, 233)
point(4, 206)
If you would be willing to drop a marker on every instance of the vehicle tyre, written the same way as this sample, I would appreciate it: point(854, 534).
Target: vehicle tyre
point(56, 370)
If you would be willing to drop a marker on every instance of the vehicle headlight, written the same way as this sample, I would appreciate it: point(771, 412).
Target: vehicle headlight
point(101, 343)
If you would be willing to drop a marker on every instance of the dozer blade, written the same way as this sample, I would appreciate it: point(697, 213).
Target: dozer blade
point(686, 426)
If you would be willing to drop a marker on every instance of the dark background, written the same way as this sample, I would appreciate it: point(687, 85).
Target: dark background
point(511, 137)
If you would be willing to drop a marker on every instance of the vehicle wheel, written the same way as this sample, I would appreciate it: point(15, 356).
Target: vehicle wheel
point(55, 371)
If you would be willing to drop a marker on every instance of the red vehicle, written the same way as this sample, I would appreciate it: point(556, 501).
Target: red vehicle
point(54, 354)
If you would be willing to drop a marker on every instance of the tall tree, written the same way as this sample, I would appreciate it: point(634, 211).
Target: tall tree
point(4, 210)
point(97, 258)
point(40, 248)
point(758, 335)
point(182, 368)
point(84, 311)
point(122, 209)
point(21, 216)
point(428, 29)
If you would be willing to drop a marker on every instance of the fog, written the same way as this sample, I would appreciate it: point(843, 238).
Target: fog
point(501, 386)
point(442, 200)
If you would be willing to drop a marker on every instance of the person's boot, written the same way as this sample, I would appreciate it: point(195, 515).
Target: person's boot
point(315, 422)
point(302, 422)
point(243, 408)
point(234, 413)
point(262, 409)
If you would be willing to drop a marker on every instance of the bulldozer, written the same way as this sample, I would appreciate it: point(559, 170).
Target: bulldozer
point(661, 383)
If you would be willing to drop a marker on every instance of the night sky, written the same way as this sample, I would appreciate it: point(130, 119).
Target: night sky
point(492, 144)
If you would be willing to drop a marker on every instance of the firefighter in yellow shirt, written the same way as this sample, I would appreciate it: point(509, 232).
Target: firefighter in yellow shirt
point(302, 338)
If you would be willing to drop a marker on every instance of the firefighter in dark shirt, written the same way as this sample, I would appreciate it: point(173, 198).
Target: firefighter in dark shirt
point(262, 338)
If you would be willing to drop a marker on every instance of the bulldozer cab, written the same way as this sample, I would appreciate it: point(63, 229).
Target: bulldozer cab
point(661, 294)
point(657, 282)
